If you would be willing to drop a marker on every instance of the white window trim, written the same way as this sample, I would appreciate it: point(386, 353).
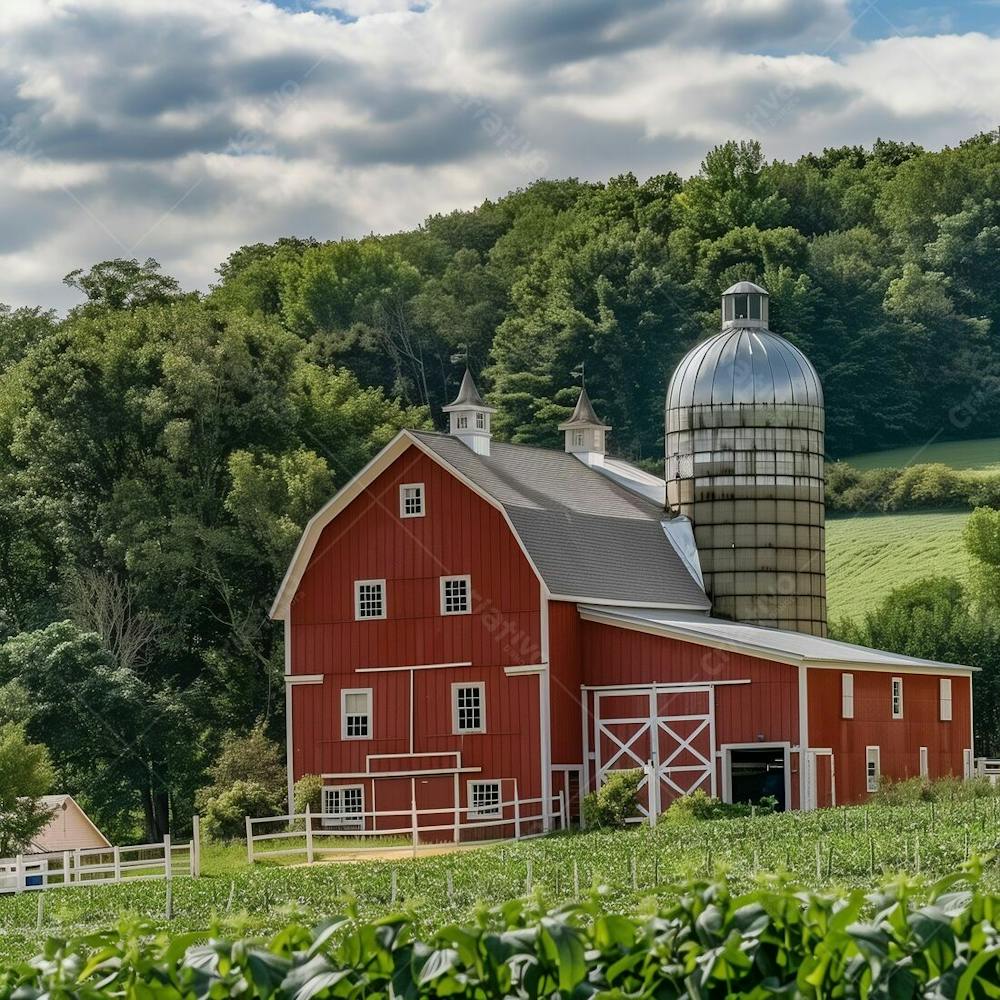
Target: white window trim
point(402, 499)
point(847, 696)
point(468, 594)
point(924, 766)
point(481, 685)
point(330, 820)
point(358, 617)
point(495, 812)
point(896, 684)
point(367, 692)
point(873, 754)
point(944, 699)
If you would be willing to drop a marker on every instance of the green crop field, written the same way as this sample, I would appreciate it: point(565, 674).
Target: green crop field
point(868, 555)
point(981, 454)
point(846, 847)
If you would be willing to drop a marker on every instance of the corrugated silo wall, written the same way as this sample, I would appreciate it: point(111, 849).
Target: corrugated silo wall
point(750, 477)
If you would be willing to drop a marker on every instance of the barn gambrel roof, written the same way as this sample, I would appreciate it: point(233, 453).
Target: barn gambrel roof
point(587, 537)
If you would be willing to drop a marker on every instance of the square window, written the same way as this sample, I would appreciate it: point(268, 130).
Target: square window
point(411, 500)
point(356, 714)
point(462, 421)
point(456, 595)
point(484, 800)
point(369, 599)
point(344, 807)
point(468, 708)
point(480, 421)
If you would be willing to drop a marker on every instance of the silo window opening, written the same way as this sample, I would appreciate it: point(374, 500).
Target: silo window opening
point(742, 306)
point(754, 306)
point(727, 307)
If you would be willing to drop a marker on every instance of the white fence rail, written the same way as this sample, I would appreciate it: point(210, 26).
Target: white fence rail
point(101, 865)
point(407, 829)
point(988, 767)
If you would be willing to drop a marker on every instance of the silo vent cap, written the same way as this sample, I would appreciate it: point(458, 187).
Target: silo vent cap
point(744, 305)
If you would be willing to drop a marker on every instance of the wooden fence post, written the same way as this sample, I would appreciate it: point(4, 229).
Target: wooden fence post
point(168, 871)
point(76, 865)
point(196, 846)
point(117, 854)
point(309, 835)
point(562, 809)
point(413, 814)
point(249, 841)
point(67, 871)
point(19, 873)
point(517, 814)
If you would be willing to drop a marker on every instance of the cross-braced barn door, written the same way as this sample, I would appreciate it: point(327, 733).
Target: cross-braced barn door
point(667, 730)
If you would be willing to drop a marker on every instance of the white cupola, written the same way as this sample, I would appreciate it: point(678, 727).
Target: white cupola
point(470, 417)
point(586, 433)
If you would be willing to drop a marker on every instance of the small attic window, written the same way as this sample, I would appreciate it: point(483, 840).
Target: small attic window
point(480, 421)
point(462, 421)
point(578, 439)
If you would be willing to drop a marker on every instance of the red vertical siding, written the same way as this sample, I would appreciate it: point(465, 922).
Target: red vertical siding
point(765, 710)
point(460, 534)
point(565, 678)
point(899, 740)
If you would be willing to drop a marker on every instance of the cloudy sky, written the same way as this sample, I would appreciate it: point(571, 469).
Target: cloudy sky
point(180, 129)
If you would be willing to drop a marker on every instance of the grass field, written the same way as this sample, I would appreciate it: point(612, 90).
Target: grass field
point(844, 847)
point(981, 454)
point(867, 555)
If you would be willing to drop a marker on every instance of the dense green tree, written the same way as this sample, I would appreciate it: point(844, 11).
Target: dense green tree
point(25, 775)
point(163, 461)
point(123, 284)
point(116, 740)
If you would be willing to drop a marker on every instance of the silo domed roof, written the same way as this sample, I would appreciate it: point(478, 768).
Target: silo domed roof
point(744, 366)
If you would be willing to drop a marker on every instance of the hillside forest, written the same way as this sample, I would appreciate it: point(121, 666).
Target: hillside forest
point(161, 449)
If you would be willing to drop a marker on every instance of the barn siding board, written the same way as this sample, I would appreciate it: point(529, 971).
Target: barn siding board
point(460, 534)
point(899, 740)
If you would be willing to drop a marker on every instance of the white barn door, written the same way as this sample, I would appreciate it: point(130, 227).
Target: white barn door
point(669, 730)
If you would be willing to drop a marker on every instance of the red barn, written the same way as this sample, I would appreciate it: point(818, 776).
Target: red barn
point(471, 624)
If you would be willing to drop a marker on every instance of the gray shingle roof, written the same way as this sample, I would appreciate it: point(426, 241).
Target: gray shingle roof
point(589, 537)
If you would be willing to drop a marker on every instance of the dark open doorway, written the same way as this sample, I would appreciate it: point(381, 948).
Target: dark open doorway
point(756, 773)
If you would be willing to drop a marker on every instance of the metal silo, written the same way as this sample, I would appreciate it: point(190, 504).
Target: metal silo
point(744, 443)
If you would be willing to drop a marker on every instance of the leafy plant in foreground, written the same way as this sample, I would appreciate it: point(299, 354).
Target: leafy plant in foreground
point(710, 942)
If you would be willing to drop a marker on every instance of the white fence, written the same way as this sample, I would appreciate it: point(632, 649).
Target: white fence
point(988, 767)
point(101, 865)
point(407, 829)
